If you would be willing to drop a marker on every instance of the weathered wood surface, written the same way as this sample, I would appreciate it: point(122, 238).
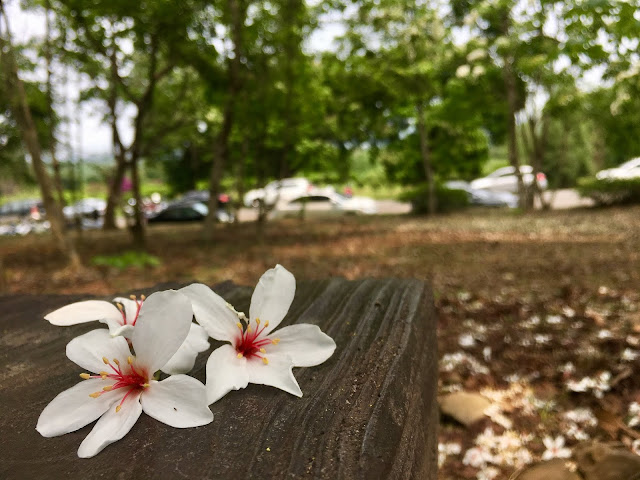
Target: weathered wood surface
point(368, 412)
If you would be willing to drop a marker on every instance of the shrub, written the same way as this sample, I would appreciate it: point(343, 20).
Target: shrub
point(447, 200)
point(610, 191)
point(126, 260)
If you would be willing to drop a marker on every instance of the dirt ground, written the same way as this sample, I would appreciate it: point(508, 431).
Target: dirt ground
point(538, 312)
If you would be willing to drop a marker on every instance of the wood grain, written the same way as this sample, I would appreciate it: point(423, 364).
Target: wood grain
point(368, 412)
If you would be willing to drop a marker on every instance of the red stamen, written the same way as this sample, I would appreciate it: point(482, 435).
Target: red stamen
point(139, 306)
point(250, 343)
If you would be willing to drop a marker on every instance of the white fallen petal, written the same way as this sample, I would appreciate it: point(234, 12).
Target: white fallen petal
point(88, 350)
point(185, 358)
point(225, 372)
point(305, 344)
point(112, 426)
point(277, 373)
point(212, 312)
point(162, 326)
point(73, 408)
point(179, 401)
point(87, 311)
point(272, 297)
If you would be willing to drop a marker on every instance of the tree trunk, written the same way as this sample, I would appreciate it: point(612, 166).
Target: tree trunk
point(138, 227)
point(21, 111)
point(512, 99)
point(57, 179)
point(221, 147)
point(425, 153)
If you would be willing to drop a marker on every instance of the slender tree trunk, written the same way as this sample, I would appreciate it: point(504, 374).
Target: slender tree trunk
point(138, 227)
point(57, 178)
point(21, 111)
point(512, 103)
point(425, 153)
point(221, 147)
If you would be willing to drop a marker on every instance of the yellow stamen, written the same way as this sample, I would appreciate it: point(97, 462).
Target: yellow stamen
point(119, 307)
point(116, 361)
point(105, 360)
point(85, 376)
point(132, 297)
point(118, 408)
point(258, 321)
point(266, 324)
point(265, 361)
point(239, 355)
point(129, 360)
point(108, 388)
point(262, 350)
point(142, 298)
point(239, 325)
point(249, 329)
point(95, 394)
point(275, 341)
point(145, 385)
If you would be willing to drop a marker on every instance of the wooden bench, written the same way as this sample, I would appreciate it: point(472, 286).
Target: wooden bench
point(368, 412)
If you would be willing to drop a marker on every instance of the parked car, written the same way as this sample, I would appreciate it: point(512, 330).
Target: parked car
point(21, 209)
point(629, 169)
point(323, 203)
point(484, 198)
point(86, 208)
point(505, 180)
point(188, 211)
point(284, 189)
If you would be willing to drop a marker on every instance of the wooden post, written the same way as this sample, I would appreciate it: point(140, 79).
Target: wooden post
point(369, 412)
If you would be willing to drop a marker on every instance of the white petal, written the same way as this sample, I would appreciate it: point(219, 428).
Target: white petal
point(179, 401)
point(87, 311)
point(112, 426)
point(185, 358)
point(273, 296)
point(225, 372)
point(74, 408)
point(305, 344)
point(88, 350)
point(211, 311)
point(277, 373)
point(130, 308)
point(125, 331)
point(162, 326)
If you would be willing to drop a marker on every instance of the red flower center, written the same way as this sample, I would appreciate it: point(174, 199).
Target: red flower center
point(251, 343)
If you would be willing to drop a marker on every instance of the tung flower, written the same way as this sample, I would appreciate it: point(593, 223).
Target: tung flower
point(555, 448)
point(122, 386)
point(256, 354)
point(121, 319)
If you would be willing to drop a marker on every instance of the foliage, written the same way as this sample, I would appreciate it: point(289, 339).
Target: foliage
point(126, 260)
point(611, 191)
point(447, 200)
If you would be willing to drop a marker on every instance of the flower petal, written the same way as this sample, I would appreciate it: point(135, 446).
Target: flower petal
point(273, 296)
point(162, 326)
point(211, 311)
point(305, 344)
point(130, 308)
point(112, 426)
point(179, 401)
point(74, 408)
point(87, 311)
point(125, 331)
point(277, 373)
point(185, 357)
point(88, 350)
point(225, 372)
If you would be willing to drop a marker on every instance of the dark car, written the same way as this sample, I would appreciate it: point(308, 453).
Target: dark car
point(188, 211)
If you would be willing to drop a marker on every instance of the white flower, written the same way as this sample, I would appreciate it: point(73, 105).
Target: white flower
point(488, 473)
point(466, 340)
point(477, 457)
point(629, 355)
point(123, 386)
point(555, 448)
point(122, 319)
point(255, 354)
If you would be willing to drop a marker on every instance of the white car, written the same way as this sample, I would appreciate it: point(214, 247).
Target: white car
point(505, 180)
point(284, 189)
point(629, 169)
point(324, 203)
point(86, 207)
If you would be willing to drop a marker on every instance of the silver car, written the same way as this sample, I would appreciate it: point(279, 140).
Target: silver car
point(323, 203)
point(629, 169)
point(284, 189)
point(505, 180)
